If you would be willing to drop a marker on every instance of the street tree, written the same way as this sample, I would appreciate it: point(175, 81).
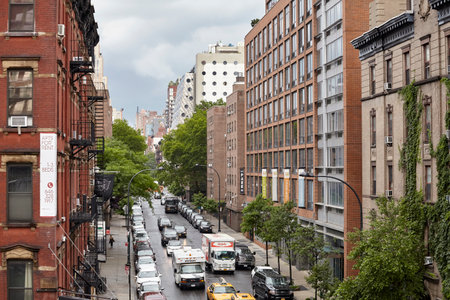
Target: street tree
point(310, 245)
point(124, 154)
point(254, 215)
point(389, 257)
point(280, 228)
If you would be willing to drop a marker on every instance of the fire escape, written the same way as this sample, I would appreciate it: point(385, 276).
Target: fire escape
point(87, 147)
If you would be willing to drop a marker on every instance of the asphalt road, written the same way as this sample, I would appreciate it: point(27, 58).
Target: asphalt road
point(240, 279)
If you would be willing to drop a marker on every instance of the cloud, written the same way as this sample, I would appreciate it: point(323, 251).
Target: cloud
point(154, 41)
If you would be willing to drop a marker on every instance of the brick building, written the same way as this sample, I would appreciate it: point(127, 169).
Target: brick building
point(235, 155)
point(407, 41)
point(303, 112)
point(215, 152)
point(49, 146)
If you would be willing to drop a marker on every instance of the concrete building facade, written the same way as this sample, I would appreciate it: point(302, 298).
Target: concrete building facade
point(235, 155)
point(184, 103)
point(216, 71)
point(411, 44)
point(48, 150)
point(171, 96)
point(302, 113)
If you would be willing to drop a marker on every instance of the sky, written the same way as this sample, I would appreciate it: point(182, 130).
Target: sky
point(147, 43)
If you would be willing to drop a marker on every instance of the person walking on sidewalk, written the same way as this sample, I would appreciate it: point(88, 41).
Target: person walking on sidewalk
point(111, 240)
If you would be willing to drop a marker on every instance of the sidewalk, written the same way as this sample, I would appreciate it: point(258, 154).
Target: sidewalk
point(116, 258)
point(260, 259)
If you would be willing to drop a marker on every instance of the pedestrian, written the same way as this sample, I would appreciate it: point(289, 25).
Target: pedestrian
point(111, 240)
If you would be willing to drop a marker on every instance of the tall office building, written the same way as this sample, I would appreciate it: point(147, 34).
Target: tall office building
point(303, 113)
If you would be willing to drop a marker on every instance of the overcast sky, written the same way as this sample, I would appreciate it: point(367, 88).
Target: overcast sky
point(147, 43)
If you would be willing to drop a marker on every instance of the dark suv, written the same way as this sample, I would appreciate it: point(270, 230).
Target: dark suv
point(244, 257)
point(268, 284)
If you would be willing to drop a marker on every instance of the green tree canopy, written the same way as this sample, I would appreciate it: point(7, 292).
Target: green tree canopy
point(389, 257)
point(124, 154)
point(255, 214)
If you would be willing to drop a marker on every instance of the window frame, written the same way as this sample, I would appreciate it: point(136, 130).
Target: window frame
point(8, 96)
point(28, 264)
point(8, 193)
point(10, 9)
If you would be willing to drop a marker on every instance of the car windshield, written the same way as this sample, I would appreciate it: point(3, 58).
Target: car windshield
point(148, 274)
point(145, 252)
point(276, 280)
point(165, 222)
point(174, 243)
point(150, 287)
point(189, 269)
point(138, 218)
point(224, 290)
point(204, 224)
point(224, 255)
point(170, 234)
point(245, 251)
point(141, 233)
point(180, 228)
point(146, 260)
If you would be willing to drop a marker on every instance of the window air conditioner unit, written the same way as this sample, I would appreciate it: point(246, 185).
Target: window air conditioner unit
point(388, 140)
point(61, 30)
point(387, 86)
point(18, 121)
point(428, 260)
point(389, 193)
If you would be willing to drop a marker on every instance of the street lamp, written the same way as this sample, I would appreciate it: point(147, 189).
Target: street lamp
point(218, 202)
point(128, 229)
point(303, 173)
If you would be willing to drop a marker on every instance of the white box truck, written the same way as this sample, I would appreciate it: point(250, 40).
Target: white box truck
point(219, 251)
point(189, 267)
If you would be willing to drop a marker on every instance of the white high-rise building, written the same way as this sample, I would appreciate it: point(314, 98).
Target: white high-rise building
point(184, 103)
point(216, 71)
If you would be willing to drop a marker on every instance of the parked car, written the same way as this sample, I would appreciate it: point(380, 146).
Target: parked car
point(146, 252)
point(192, 216)
point(148, 273)
point(205, 227)
point(138, 219)
point(167, 235)
point(244, 257)
point(271, 285)
point(141, 241)
point(143, 246)
point(181, 230)
point(172, 245)
point(260, 268)
point(164, 222)
point(143, 261)
point(150, 291)
point(187, 213)
point(197, 220)
point(183, 210)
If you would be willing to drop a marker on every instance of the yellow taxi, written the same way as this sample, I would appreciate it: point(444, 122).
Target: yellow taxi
point(242, 296)
point(221, 291)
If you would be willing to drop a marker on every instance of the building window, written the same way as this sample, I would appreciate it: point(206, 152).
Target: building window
point(301, 37)
point(21, 15)
point(373, 176)
point(389, 71)
point(309, 124)
point(372, 79)
point(310, 198)
point(427, 119)
point(20, 196)
point(309, 66)
point(427, 183)
point(390, 128)
point(20, 279)
point(309, 93)
point(308, 35)
point(301, 129)
point(407, 66)
point(426, 60)
point(373, 130)
point(20, 92)
point(390, 178)
point(335, 194)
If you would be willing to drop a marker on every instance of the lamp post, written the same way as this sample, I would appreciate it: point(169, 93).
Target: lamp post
point(128, 229)
point(303, 173)
point(218, 202)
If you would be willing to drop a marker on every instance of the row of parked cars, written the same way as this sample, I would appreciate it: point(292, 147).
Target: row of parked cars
point(196, 219)
point(148, 279)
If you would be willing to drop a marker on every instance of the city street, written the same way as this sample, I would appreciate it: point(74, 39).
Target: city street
point(240, 279)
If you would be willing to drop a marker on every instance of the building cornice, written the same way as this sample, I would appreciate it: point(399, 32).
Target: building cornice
point(393, 32)
point(443, 8)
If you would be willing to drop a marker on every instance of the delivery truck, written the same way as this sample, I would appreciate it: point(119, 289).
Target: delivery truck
point(219, 251)
point(189, 267)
